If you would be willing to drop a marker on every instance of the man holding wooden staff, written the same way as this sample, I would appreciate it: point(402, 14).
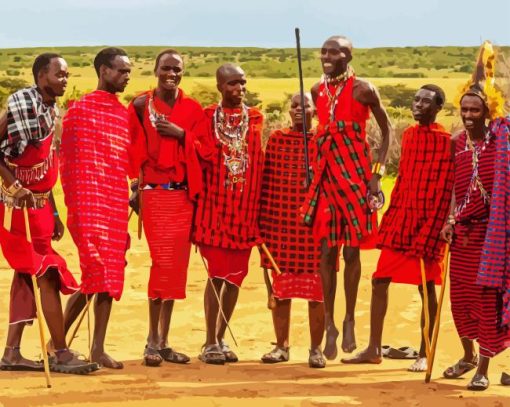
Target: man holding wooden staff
point(337, 203)
point(409, 231)
point(29, 170)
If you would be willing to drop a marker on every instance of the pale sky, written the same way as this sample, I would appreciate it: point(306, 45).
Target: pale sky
point(260, 23)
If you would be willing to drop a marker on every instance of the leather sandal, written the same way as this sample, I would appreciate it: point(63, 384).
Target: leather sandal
point(169, 355)
point(230, 356)
point(277, 355)
point(212, 354)
point(316, 359)
point(460, 368)
point(478, 383)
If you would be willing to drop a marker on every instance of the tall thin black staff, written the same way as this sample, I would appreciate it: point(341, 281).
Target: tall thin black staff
point(302, 94)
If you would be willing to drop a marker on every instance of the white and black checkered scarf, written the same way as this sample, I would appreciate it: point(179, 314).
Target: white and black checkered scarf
point(29, 120)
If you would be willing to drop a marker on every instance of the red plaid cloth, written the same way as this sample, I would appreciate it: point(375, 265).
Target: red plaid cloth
point(227, 215)
point(342, 171)
point(290, 242)
point(495, 261)
point(283, 190)
point(420, 200)
point(477, 310)
point(94, 171)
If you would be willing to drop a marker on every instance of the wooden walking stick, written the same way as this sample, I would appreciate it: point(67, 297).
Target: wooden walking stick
point(435, 332)
point(271, 259)
point(426, 314)
point(302, 95)
point(38, 307)
point(78, 324)
point(219, 301)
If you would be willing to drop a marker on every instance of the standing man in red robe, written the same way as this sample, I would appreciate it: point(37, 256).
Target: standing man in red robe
point(337, 204)
point(291, 243)
point(226, 220)
point(94, 172)
point(29, 171)
point(163, 156)
point(410, 228)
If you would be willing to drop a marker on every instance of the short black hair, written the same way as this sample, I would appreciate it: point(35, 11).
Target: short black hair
point(42, 62)
point(106, 56)
point(170, 51)
point(439, 93)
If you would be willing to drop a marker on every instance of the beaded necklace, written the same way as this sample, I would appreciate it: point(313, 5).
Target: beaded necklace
point(230, 130)
point(339, 82)
point(154, 113)
point(476, 182)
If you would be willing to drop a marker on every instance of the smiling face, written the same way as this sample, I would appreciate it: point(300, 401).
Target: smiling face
point(336, 53)
point(53, 79)
point(169, 71)
point(473, 113)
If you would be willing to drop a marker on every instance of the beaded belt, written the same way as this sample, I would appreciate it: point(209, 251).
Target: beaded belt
point(467, 222)
point(170, 186)
point(40, 199)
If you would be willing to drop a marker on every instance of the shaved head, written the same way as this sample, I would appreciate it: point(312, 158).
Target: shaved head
point(227, 71)
point(297, 96)
point(342, 41)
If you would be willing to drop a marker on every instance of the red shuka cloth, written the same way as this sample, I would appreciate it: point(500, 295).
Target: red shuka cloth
point(420, 200)
point(289, 241)
point(227, 215)
point(35, 257)
point(94, 171)
point(226, 264)
point(164, 159)
point(167, 219)
point(476, 309)
point(342, 173)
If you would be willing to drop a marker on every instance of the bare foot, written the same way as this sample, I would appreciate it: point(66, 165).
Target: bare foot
point(368, 356)
point(348, 337)
point(330, 349)
point(106, 360)
point(13, 360)
point(419, 365)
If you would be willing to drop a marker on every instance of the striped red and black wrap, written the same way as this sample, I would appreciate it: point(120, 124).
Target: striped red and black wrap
point(420, 200)
point(227, 214)
point(290, 242)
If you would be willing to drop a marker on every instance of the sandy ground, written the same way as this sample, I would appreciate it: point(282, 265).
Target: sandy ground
point(248, 382)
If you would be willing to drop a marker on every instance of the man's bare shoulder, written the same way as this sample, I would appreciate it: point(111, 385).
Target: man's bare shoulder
point(363, 86)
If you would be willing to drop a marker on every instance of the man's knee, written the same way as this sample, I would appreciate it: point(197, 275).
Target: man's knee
point(351, 255)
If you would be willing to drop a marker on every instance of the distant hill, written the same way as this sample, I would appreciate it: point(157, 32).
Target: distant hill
point(407, 62)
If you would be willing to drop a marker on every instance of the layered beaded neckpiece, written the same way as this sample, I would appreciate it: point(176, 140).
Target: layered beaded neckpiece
point(338, 82)
point(475, 183)
point(230, 130)
point(154, 113)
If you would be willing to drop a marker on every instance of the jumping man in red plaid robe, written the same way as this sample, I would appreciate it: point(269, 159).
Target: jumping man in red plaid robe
point(94, 174)
point(29, 170)
point(226, 219)
point(410, 228)
point(337, 204)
